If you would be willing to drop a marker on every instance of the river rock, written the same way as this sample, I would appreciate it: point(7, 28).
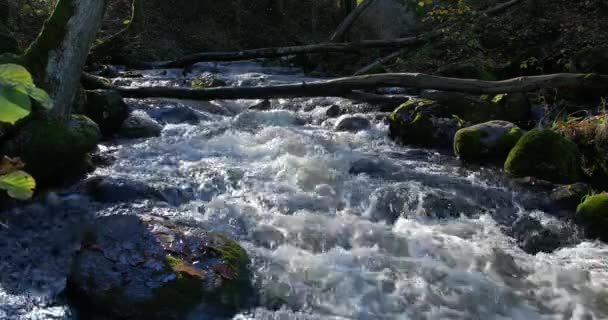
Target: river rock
point(176, 114)
point(207, 80)
point(569, 196)
point(140, 125)
point(149, 268)
point(592, 213)
point(414, 123)
point(488, 140)
point(264, 105)
point(333, 111)
point(54, 151)
point(533, 237)
point(352, 124)
point(108, 189)
point(546, 155)
point(106, 108)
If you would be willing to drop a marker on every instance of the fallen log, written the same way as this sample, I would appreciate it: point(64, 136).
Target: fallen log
point(343, 87)
point(379, 62)
point(350, 20)
point(286, 51)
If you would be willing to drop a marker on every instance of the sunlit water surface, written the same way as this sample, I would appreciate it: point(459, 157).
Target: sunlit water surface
point(339, 225)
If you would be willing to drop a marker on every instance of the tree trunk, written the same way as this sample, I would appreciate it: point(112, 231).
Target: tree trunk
point(344, 87)
point(286, 51)
point(57, 56)
point(350, 20)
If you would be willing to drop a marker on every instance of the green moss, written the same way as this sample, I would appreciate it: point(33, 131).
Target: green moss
point(547, 155)
point(182, 293)
point(593, 212)
point(54, 150)
point(467, 143)
point(231, 293)
point(507, 141)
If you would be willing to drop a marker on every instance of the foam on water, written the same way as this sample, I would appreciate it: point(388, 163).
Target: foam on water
point(343, 225)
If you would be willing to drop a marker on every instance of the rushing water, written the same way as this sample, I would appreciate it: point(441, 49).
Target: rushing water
point(339, 225)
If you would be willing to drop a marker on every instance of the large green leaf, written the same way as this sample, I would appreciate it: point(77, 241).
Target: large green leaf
point(41, 96)
point(18, 184)
point(14, 105)
point(17, 74)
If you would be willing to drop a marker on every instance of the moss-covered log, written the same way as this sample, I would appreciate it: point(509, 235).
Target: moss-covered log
point(57, 56)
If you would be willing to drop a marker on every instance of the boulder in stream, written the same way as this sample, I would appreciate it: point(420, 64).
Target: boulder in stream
point(352, 124)
point(546, 155)
point(150, 268)
point(140, 125)
point(54, 151)
point(106, 108)
point(592, 213)
point(488, 140)
point(414, 123)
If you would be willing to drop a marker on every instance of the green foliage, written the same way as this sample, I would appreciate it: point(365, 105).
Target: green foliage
point(18, 184)
point(16, 89)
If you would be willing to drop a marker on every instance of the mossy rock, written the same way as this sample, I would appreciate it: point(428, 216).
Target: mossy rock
point(486, 141)
point(547, 155)
point(165, 271)
point(55, 151)
point(207, 80)
point(106, 108)
point(413, 124)
point(593, 214)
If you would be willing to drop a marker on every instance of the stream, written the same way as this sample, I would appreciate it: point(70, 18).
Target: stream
point(338, 224)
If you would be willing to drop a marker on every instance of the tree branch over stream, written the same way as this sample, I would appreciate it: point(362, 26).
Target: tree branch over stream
point(344, 87)
point(286, 51)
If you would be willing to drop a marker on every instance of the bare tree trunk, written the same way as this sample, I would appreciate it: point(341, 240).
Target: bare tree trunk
point(350, 20)
point(344, 87)
point(59, 53)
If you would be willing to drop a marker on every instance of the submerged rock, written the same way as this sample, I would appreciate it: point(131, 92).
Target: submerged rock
point(55, 151)
point(150, 268)
point(261, 106)
point(489, 140)
point(333, 111)
point(140, 125)
point(546, 155)
point(352, 123)
point(592, 213)
point(107, 109)
point(533, 237)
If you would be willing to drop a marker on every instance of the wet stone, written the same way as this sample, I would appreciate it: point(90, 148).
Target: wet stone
point(352, 124)
point(149, 268)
